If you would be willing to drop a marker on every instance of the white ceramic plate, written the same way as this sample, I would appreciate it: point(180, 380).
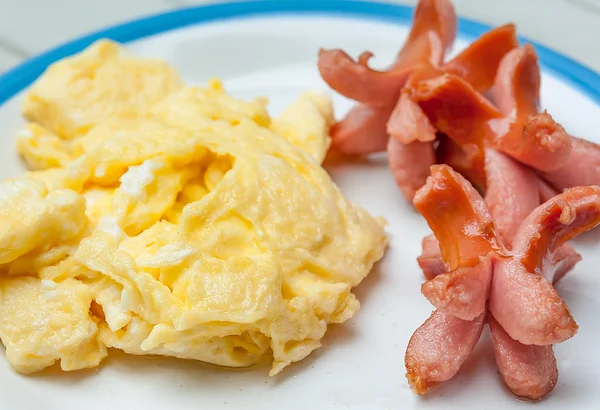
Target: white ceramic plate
point(269, 48)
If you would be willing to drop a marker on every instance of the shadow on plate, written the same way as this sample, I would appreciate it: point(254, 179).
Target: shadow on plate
point(118, 360)
point(364, 291)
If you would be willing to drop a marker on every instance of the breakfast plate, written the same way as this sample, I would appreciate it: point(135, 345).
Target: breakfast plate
point(269, 48)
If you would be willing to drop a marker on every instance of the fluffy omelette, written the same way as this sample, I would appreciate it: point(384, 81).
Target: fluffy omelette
point(163, 219)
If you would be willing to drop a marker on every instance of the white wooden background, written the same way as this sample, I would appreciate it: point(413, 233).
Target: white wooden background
point(28, 27)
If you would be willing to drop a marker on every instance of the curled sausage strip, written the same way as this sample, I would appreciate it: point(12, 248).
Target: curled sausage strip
point(528, 371)
point(522, 300)
point(479, 63)
point(363, 130)
point(516, 90)
point(438, 348)
point(462, 224)
point(364, 124)
point(410, 164)
point(512, 193)
point(581, 168)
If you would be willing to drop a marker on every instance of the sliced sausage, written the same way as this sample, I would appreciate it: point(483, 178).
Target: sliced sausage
point(410, 164)
point(522, 300)
point(438, 348)
point(461, 222)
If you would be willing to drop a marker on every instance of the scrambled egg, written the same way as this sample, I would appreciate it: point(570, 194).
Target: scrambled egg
point(162, 219)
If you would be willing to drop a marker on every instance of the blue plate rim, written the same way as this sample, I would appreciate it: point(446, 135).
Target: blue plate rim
point(15, 80)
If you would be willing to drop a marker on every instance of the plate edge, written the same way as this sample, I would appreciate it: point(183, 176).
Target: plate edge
point(17, 79)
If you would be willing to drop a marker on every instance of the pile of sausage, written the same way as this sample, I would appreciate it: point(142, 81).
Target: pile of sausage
point(494, 259)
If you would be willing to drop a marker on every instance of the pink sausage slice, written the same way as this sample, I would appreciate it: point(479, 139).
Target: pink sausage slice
point(581, 168)
point(431, 261)
point(522, 300)
point(478, 64)
point(438, 348)
point(528, 371)
point(516, 90)
point(410, 164)
point(362, 131)
point(512, 193)
point(408, 122)
point(356, 80)
point(543, 144)
point(461, 222)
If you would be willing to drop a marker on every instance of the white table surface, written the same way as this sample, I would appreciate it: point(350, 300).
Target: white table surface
point(28, 27)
